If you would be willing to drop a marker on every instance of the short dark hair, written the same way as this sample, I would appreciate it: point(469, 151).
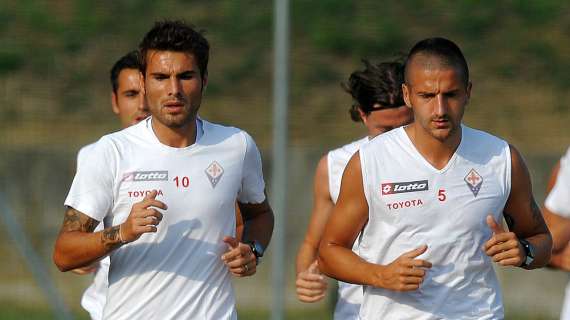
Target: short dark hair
point(378, 83)
point(129, 61)
point(445, 50)
point(176, 36)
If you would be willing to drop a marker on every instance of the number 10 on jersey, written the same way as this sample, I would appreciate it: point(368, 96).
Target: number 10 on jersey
point(181, 182)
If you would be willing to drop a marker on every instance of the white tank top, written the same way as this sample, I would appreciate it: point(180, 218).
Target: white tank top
point(349, 295)
point(411, 203)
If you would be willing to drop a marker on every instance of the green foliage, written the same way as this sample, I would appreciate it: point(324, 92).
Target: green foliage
point(11, 59)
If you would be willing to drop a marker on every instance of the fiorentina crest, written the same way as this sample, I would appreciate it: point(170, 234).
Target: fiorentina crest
point(474, 181)
point(214, 172)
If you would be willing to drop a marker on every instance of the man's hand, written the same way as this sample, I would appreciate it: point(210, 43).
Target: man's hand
point(142, 219)
point(239, 258)
point(503, 247)
point(406, 273)
point(311, 284)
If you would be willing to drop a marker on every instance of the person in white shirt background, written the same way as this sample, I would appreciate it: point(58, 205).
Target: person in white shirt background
point(556, 211)
point(379, 105)
point(128, 104)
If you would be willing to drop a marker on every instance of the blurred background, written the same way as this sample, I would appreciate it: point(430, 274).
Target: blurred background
point(55, 58)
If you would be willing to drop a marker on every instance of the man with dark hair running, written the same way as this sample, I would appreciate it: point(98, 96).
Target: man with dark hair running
point(166, 190)
point(431, 197)
point(557, 214)
point(379, 104)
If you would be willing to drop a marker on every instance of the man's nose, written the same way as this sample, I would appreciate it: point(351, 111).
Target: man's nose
point(441, 105)
point(175, 87)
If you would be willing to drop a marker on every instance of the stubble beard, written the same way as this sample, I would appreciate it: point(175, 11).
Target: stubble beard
point(179, 120)
point(443, 135)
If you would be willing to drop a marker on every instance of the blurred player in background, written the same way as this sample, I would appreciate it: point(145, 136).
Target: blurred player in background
point(379, 104)
point(166, 190)
point(431, 197)
point(557, 214)
point(127, 99)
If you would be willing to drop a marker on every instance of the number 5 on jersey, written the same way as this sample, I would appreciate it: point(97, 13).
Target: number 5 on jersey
point(441, 195)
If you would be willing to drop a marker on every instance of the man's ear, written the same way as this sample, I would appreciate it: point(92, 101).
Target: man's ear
point(406, 93)
point(469, 86)
point(204, 82)
point(141, 80)
point(114, 102)
point(362, 115)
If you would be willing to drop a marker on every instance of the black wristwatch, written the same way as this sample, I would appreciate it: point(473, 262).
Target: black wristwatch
point(257, 250)
point(529, 251)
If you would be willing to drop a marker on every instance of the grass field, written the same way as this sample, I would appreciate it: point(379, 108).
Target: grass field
point(18, 312)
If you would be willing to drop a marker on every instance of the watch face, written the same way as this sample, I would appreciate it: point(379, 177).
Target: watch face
point(529, 250)
point(528, 260)
point(258, 248)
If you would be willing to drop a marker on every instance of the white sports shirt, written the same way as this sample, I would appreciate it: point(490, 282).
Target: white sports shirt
point(411, 203)
point(349, 295)
point(93, 299)
point(558, 201)
point(176, 273)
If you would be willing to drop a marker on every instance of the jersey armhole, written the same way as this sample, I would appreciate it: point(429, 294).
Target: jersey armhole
point(365, 186)
point(330, 175)
point(508, 174)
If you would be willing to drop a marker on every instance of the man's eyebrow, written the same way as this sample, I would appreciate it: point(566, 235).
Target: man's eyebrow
point(158, 73)
point(188, 72)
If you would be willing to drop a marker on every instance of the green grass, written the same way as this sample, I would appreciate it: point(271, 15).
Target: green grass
point(18, 312)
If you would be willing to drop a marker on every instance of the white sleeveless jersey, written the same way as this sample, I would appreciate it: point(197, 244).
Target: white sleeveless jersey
point(349, 295)
point(411, 204)
point(177, 272)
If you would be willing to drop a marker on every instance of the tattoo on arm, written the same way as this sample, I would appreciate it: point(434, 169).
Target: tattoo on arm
point(76, 221)
point(110, 237)
point(510, 221)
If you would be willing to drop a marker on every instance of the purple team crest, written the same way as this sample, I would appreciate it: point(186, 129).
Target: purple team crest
point(474, 181)
point(214, 172)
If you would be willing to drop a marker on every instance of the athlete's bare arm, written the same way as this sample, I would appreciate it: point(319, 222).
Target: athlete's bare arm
point(258, 226)
point(525, 221)
point(257, 222)
point(239, 223)
point(78, 246)
point(311, 284)
point(349, 216)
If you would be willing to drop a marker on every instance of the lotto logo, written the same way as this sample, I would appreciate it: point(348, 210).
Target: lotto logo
point(146, 176)
point(402, 187)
